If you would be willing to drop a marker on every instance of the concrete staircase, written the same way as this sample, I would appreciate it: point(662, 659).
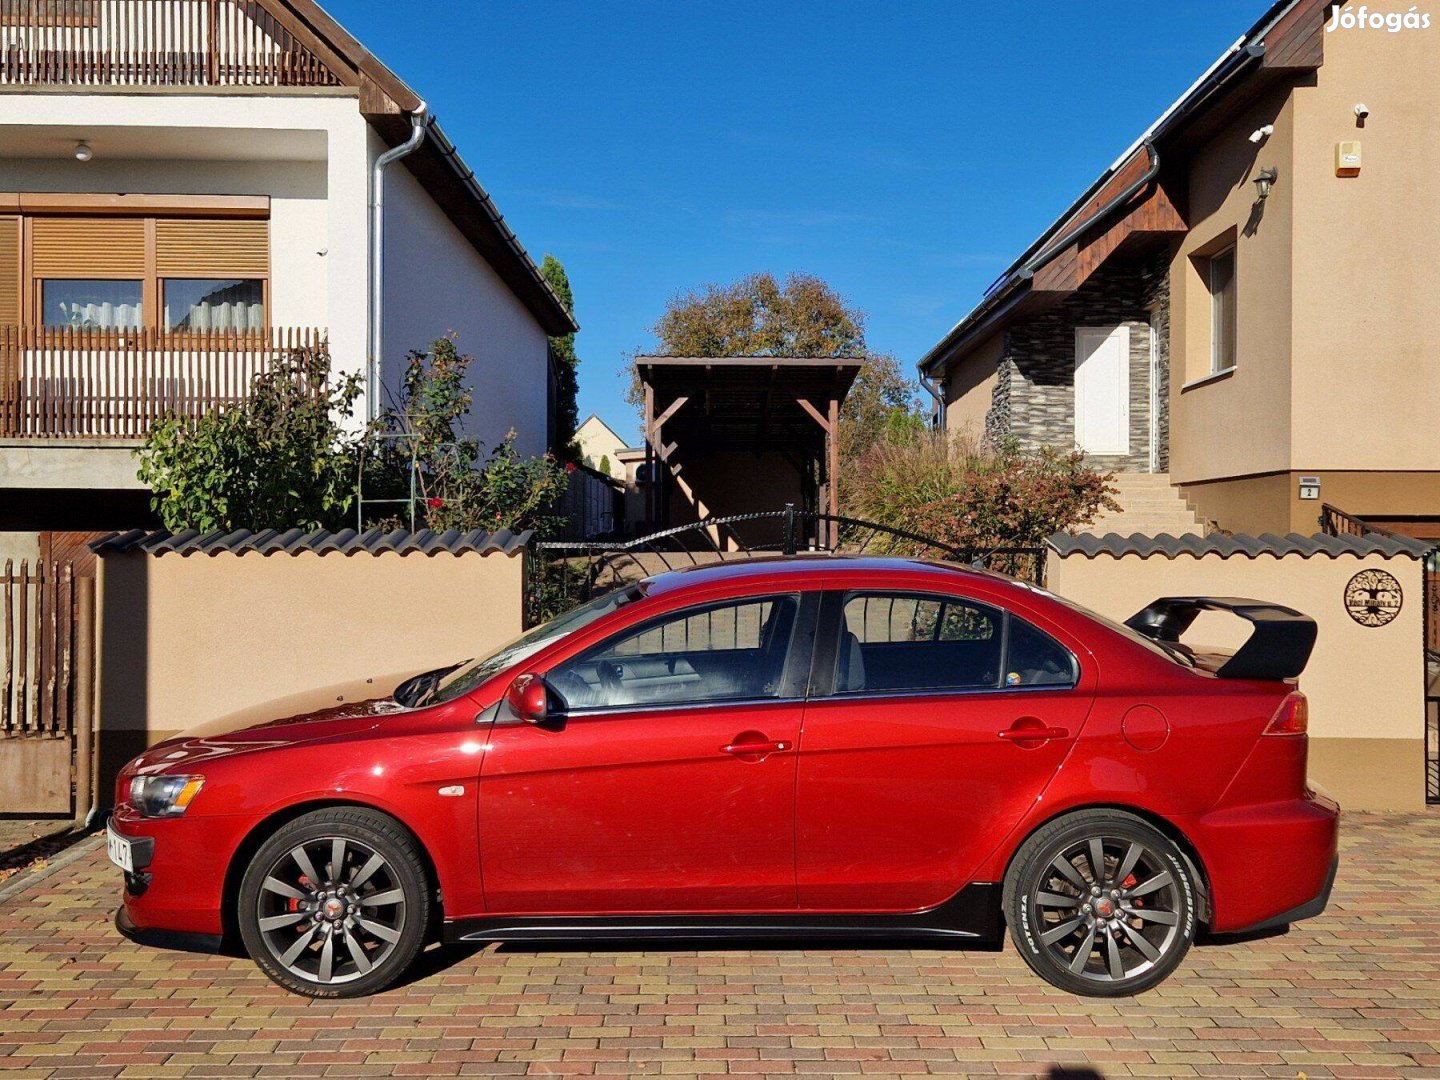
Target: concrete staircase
point(1149, 505)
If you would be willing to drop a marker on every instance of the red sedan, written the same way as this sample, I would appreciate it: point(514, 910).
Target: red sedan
point(780, 748)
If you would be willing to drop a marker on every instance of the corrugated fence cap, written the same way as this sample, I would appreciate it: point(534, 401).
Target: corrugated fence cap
point(320, 541)
point(1171, 547)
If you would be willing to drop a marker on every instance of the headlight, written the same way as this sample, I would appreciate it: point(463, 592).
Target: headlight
point(164, 796)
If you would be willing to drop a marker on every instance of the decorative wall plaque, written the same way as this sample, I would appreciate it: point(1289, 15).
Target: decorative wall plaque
point(1373, 597)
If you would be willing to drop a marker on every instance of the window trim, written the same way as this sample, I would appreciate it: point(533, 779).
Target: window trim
point(152, 281)
point(793, 681)
point(1230, 250)
point(827, 651)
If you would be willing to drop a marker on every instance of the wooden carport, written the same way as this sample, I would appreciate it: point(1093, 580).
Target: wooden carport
point(699, 408)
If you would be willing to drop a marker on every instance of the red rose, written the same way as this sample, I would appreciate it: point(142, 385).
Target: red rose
point(434, 503)
point(570, 466)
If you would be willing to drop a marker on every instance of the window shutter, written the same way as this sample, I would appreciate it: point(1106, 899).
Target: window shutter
point(191, 247)
point(9, 271)
point(77, 247)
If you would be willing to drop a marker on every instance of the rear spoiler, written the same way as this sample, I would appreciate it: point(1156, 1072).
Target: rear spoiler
point(1280, 640)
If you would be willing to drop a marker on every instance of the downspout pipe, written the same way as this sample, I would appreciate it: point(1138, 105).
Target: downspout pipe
point(928, 384)
point(420, 120)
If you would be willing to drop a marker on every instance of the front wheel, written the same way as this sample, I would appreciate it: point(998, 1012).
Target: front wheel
point(1101, 903)
point(335, 904)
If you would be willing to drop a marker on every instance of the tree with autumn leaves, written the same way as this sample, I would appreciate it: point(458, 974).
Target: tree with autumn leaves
point(801, 316)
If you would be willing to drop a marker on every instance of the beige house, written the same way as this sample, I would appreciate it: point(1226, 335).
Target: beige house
point(188, 187)
point(1241, 306)
point(599, 443)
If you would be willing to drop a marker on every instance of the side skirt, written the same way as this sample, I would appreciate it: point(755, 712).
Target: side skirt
point(971, 915)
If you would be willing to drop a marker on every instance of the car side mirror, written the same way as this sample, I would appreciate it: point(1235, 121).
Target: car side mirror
point(529, 698)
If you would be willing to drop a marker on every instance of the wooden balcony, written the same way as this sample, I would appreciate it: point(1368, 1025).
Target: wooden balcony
point(156, 43)
point(88, 384)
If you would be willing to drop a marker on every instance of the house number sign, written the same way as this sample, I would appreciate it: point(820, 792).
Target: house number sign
point(1373, 597)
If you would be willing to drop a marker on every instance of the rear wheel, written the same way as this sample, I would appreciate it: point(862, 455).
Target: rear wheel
point(335, 904)
point(1100, 902)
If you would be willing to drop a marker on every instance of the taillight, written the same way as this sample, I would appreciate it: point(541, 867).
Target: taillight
point(1292, 718)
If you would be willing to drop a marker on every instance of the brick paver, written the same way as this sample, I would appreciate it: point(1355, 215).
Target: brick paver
point(1355, 993)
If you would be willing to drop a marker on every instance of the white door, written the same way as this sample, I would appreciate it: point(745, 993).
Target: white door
point(1102, 389)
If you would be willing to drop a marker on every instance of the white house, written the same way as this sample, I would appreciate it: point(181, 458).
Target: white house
point(187, 186)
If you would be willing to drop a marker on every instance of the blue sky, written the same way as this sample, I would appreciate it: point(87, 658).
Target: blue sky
point(903, 151)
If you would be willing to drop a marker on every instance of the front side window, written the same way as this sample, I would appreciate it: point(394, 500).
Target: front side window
point(732, 651)
point(1221, 272)
point(904, 643)
point(227, 305)
point(92, 304)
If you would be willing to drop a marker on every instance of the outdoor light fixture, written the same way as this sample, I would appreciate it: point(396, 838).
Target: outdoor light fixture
point(1263, 181)
point(83, 151)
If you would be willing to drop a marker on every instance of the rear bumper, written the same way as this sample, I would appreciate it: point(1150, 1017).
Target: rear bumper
point(1307, 910)
point(1268, 864)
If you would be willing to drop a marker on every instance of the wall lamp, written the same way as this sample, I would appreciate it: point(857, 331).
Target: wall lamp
point(1264, 180)
point(83, 151)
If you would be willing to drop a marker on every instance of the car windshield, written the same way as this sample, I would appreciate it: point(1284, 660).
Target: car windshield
point(449, 683)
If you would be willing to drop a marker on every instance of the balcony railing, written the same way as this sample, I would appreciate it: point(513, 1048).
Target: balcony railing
point(93, 384)
point(152, 43)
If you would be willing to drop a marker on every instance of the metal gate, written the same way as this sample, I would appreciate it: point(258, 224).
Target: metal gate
point(561, 574)
point(46, 681)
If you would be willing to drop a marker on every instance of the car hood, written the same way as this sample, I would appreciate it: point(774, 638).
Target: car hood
point(342, 709)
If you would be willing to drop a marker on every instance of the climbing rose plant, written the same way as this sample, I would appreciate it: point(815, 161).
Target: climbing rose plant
point(459, 486)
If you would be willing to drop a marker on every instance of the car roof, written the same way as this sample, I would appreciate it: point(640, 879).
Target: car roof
point(805, 567)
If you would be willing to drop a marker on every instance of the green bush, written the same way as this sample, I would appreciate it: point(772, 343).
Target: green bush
point(281, 460)
point(973, 495)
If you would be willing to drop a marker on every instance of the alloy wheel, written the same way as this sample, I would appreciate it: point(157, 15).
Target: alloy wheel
point(1107, 909)
point(330, 910)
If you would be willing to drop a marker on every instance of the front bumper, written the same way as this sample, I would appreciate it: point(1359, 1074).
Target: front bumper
point(167, 939)
point(180, 888)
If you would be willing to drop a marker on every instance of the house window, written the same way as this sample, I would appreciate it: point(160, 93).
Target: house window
point(134, 272)
point(226, 305)
point(1220, 277)
point(92, 303)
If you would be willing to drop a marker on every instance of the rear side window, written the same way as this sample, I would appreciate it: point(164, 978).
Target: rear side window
point(1034, 658)
point(905, 643)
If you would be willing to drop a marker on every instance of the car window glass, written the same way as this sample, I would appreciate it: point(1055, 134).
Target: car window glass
point(899, 642)
point(1034, 658)
point(722, 652)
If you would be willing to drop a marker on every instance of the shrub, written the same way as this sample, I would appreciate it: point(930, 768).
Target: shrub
point(973, 495)
point(280, 460)
point(457, 487)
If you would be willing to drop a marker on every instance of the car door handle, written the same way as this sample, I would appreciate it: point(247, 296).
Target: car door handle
point(746, 749)
point(1033, 734)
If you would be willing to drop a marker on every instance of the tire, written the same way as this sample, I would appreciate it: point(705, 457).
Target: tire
point(1121, 935)
point(323, 934)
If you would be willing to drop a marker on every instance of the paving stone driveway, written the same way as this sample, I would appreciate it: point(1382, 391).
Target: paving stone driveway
point(1353, 993)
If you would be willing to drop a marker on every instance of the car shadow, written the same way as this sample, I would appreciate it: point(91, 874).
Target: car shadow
point(868, 943)
point(1205, 939)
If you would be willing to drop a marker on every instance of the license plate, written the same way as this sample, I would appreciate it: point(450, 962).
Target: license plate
point(118, 848)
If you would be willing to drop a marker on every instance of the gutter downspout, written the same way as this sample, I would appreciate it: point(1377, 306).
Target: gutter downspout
point(928, 384)
point(420, 121)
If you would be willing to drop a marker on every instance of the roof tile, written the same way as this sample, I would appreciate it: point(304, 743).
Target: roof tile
point(1251, 547)
point(321, 541)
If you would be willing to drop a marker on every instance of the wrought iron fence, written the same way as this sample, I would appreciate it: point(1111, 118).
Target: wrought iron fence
point(561, 574)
